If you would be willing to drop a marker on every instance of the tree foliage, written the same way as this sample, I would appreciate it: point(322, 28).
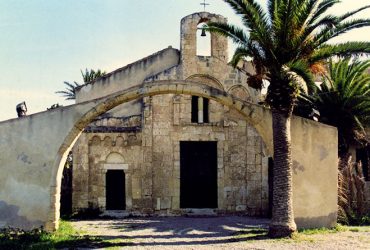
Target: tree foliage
point(91, 75)
point(351, 193)
point(88, 76)
point(287, 44)
point(343, 100)
point(70, 91)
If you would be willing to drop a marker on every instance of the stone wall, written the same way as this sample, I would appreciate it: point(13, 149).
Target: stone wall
point(315, 173)
point(154, 160)
point(188, 46)
point(239, 148)
point(89, 170)
point(130, 75)
point(32, 159)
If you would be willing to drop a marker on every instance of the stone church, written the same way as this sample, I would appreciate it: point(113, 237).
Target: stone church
point(173, 154)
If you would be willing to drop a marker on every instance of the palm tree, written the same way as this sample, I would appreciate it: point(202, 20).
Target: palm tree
point(88, 76)
point(91, 75)
point(70, 92)
point(343, 100)
point(287, 43)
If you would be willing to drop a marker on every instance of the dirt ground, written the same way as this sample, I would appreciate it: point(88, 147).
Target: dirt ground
point(231, 232)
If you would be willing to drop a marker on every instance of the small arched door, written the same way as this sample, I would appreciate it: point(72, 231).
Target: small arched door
point(115, 182)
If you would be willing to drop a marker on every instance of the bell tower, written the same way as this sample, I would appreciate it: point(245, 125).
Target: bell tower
point(188, 43)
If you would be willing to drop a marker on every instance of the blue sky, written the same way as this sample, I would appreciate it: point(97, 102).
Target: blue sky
point(46, 42)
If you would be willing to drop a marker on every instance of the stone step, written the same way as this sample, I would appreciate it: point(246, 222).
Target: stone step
point(115, 214)
point(199, 212)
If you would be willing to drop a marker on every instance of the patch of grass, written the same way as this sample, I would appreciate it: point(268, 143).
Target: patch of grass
point(296, 238)
point(323, 230)
point(116, 243)
point(304, 235)
point(250, 234)
point(338, 228)
point(113, 248)
point(358, 228)
point(65, 237)
point(254, 234)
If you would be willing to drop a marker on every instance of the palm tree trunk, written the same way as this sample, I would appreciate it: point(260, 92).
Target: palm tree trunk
point(282, 222)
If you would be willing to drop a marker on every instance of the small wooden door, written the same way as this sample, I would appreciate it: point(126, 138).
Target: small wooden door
point(115, 190)
point(198, 174)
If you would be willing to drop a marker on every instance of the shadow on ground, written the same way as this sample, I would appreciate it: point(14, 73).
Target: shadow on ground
point(37, 239)
point(175, 231)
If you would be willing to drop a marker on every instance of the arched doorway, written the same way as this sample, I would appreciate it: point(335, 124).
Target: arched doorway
point(115, 182)
point(252, 113)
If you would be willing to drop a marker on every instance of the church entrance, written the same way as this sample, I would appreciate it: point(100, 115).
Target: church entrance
point(115, 190)
point(198, 174)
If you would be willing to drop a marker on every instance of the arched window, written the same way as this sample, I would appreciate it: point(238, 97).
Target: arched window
point(203, 41)
point(199, 109)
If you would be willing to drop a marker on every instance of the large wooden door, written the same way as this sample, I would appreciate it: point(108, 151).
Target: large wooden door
point(115, 190)
point(198, 174)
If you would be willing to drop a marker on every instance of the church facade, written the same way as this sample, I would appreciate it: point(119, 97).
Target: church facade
point(173, 154)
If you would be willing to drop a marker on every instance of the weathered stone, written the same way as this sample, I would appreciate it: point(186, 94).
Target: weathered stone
point(147, 131)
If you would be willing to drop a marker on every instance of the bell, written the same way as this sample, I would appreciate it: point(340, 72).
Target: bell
point(203, 32)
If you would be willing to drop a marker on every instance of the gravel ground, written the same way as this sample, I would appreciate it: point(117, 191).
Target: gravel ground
point(231, 232)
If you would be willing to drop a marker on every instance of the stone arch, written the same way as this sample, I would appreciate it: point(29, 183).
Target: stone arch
point(203, 42)
point(255, 115)
point(206, 79)
point(240, 91)
point(107, 141)
point(115, 158)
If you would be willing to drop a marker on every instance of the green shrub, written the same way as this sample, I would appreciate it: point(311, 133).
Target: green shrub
point(351, 193)
point(65, 237)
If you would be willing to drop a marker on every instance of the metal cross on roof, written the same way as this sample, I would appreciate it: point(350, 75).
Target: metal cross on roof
point(204, 4)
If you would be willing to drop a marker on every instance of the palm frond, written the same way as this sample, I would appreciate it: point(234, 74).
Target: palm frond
point(327, 22)
point(253, 17)
point(302, 69)
point(321, 9)
point(351, 13)
point(329, 33)
point(236, 34)
point(341, 50)
point(344, 97)
point(91, 75)
point(70, 91)
point(273, 10)
point(87, 76)
point(239, 54)
point(293, 34)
